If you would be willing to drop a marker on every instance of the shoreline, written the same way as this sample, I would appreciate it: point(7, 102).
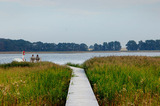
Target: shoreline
point(71, 52)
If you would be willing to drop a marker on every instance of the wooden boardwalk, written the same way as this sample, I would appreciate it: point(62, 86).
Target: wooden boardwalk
point(80, 92)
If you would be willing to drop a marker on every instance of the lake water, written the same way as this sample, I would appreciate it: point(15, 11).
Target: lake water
point(62, 58)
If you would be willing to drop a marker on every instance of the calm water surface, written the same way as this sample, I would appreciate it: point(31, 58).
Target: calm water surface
point(62, 58)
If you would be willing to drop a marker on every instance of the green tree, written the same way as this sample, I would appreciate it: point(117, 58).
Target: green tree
point(97, 47)
point(157, 44)
point(141, 45)
point(83, 47)
point(132, 45)
point(150, 45)
point(105, 46)
point(111, 46)
point(117, 46)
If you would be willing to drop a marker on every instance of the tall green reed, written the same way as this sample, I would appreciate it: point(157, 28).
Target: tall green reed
point(42, 84)
point(125, 80)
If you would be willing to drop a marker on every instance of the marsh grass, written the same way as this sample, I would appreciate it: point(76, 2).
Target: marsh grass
point(75, 65)
point(16, 64)
point(41, 83)
point(125, 80)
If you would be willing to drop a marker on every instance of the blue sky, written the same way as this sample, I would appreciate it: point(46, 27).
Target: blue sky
point(80, 21)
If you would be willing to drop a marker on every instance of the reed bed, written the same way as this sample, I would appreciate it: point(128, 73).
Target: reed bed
point(41, 83)
point(75, 65)
point(125, 80)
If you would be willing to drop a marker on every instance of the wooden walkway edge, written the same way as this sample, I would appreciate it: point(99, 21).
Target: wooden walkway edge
point(80, 92)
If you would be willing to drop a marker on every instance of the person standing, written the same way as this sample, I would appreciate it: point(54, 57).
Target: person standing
point(37, 58)
point(32, 59)
point(23, 56)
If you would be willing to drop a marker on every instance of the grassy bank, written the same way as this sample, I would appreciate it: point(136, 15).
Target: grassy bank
point(125, 80)
point(33, 84)
point(75, 65)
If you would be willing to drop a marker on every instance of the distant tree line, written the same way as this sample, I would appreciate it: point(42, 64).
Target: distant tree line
point(147, 45)
point(20, 45)
point(111, 46)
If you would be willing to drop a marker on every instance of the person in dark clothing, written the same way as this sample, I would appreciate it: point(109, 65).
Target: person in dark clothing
point(37, 58)
point(32, 59)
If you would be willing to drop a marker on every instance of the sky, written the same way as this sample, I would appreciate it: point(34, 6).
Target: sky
point(80, 21)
